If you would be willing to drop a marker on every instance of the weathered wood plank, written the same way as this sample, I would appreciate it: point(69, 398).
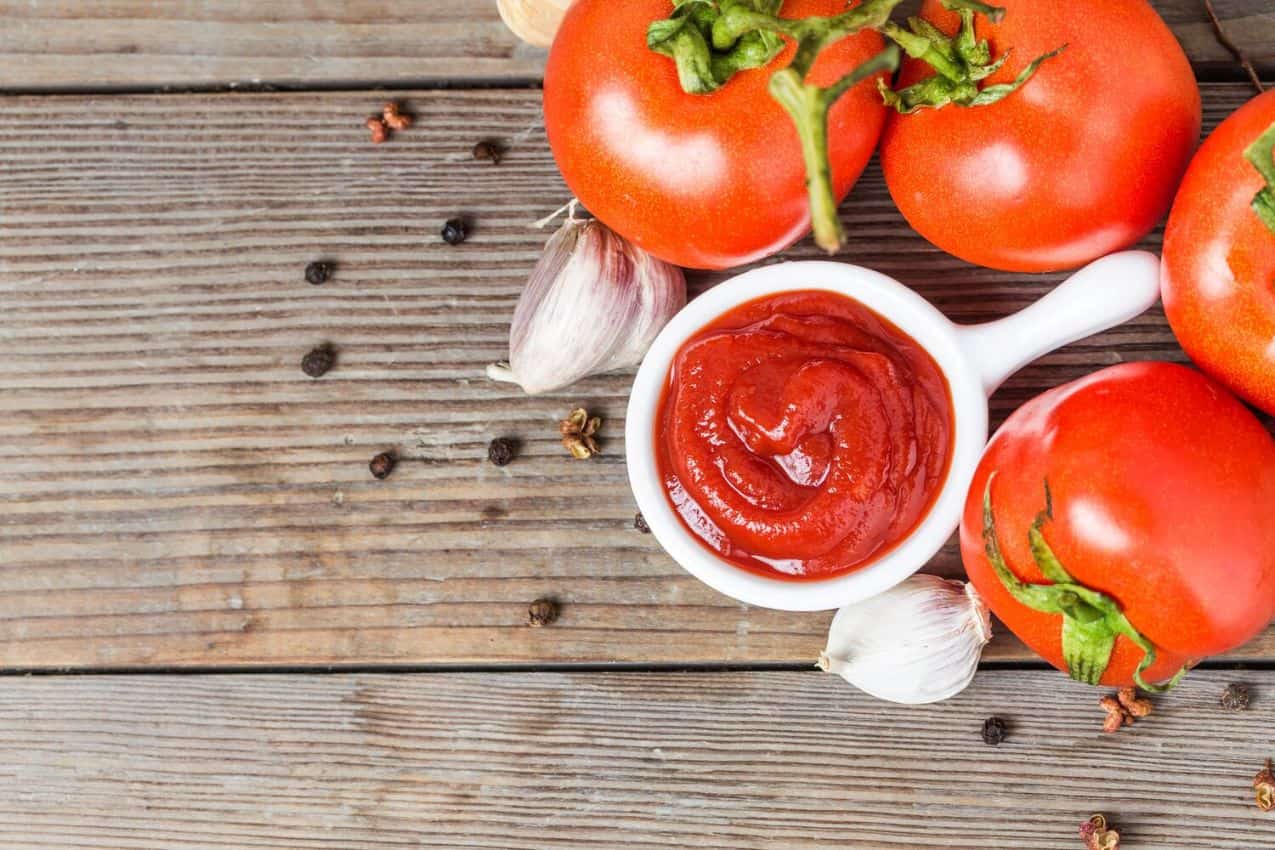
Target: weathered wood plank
point(58, 44)
point(173, 491)
point(746, 760)
point(54, 44)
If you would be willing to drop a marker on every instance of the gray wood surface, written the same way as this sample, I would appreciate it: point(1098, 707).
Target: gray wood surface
point(58, 44)
point(174, 491)
point(535, 761)
point(52, 45)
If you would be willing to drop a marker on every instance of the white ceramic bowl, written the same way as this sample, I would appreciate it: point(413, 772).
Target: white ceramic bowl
point(976, 359)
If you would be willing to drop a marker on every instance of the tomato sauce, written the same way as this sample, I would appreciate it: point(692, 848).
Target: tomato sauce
point(801, 435)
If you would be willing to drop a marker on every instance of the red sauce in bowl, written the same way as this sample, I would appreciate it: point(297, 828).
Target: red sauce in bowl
point(801, 435)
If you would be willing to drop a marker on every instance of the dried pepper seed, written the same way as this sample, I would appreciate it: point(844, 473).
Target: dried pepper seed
point(318, 273)
point(378, 129)
point(394, 116)
point(1123, 709)
point(542, 612)
point(579, 434)
point(1264, 788)
point(500, 451)
point(487, 151)
point(639, 522)
point(382, 465)
point(1235, 697)
point(318, 362)
point(1098, 836)
point(1116, 716)
point(995, 730)
point(1132, 704)
point(454, 231)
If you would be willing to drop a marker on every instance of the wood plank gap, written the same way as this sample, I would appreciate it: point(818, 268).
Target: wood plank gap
point(1203, 74)
point(548, 668)
point(320, 87)
point(52, 44)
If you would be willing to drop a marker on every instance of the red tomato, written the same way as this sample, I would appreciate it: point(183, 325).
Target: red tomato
point(703, 181)
point(1162, 484)
point(1081, 161)
point(1219, 261)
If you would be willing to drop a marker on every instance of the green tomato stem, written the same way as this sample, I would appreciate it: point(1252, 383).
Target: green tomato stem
point(811, 34)
point(919, 47)
point(1091, 621)
point(960, 62)
point(808, 107)
point(992, 13)
point(1261, 154)
point(810, 115)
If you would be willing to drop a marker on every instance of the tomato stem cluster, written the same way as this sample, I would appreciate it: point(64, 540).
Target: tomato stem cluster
point(961, 62)
point(1262, 156)
point(1091, 621)
point(706, 57)
point(712, 41)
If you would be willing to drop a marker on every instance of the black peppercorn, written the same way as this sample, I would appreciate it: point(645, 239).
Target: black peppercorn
point(639, 522)
point(382, 465)
point(994, 731)
point(542, 612)
point(318, 362)
point(1235, 697)
point(487, 151)
point(454, 231)
point(500, 451)
point(318, 272)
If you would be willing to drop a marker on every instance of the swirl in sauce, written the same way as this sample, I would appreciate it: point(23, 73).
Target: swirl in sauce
point(801, 435)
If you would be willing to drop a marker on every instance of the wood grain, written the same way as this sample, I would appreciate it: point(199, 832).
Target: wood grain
point(174, 491)
point(742, 760)
point(53, 45)
point(49, 45)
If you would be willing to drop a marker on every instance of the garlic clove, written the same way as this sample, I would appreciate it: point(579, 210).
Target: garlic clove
point(594, 303)
point(919, 642)
point(534, 21)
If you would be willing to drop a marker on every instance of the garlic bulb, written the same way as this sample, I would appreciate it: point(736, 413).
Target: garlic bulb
point(594, 303)
point(918, 642)
point(534, 21)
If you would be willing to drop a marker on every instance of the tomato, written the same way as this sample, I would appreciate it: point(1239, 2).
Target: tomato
point(1219, 261)
point(699, 180)
point(1081, 161)
point(1161, 485)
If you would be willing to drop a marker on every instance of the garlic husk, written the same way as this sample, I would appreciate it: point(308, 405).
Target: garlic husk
point(534, 21)
point(917, 643)
point(593, 304)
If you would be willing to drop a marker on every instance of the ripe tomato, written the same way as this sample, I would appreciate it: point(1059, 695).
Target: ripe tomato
point(1081, 161)
point(703, 181)
point(1219, 261)
point(1161, 485)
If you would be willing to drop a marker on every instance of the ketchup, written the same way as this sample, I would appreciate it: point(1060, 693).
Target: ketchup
point(801, 435)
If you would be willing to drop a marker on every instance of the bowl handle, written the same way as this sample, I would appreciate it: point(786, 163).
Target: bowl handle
point(1101, 295)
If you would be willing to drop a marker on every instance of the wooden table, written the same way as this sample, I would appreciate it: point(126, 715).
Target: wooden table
point(237, 638)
